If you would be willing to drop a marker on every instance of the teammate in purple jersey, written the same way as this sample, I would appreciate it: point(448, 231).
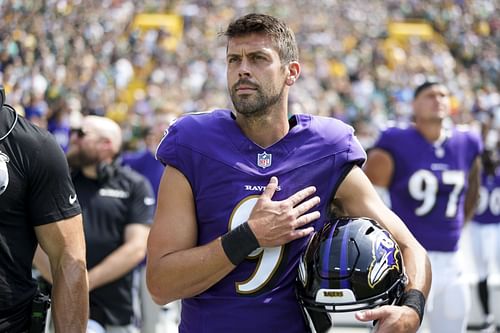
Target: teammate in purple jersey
point(485, 230)
point(243, 190)
point(432, 174)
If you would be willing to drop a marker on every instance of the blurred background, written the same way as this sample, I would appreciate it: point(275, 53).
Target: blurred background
point(134, 60)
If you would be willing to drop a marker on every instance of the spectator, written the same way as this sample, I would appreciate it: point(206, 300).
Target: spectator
point(485, 226)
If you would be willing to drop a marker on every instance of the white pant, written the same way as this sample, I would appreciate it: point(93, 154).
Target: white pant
point(156, 318)
point(150, 312)
point(485, 245)
point(95, 327)
point(448, 304)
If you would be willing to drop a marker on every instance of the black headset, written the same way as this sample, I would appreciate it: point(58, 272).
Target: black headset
point(2, 104)
point(106, 171)
point(2, 96)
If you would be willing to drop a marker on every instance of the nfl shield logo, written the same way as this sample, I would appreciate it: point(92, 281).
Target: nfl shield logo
point(264, 160)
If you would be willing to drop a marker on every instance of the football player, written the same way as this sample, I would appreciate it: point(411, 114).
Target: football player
point(242, 191)
point(432, 174)
point(485, 229)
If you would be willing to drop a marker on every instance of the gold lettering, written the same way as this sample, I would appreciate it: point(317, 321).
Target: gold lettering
point(333, 293)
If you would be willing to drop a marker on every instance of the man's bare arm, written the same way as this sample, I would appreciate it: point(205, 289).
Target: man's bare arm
point(379, 168)
point(176, 267)
point(64, 243)
point(123, 259)
point(472, 195)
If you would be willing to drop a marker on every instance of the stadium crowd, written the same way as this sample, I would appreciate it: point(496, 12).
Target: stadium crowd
point(63, 59)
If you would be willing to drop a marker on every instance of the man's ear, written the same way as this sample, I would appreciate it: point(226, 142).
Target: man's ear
point(293, 72)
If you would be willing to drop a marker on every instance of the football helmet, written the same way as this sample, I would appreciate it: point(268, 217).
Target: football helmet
point(351, 264)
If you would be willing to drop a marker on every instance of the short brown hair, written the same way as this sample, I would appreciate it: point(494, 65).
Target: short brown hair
point(423, 86)
point(280, 33)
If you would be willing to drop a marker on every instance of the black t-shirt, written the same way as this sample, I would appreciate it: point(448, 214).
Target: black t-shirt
point(39, 192)
point(124, 198)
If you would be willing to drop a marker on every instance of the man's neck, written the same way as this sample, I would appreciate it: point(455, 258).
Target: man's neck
point(430, 130)
point(90, 171)
point(265, 130)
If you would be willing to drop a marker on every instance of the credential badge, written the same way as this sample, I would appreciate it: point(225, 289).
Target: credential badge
point(264, 160)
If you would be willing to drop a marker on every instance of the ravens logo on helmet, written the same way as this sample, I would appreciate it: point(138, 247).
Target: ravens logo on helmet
point(351, 264)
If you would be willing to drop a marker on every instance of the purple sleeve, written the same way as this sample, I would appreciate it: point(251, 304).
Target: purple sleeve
point(386, 140)
point(349, 152)
point(356, 154)
point(336, 137)
point(171, 150)
point(166, 152)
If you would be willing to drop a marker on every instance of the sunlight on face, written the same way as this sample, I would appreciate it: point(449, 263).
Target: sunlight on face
point(255, 76)
point(433, 103)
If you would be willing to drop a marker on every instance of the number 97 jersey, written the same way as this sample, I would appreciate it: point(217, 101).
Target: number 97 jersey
point(227, 173)
point(430, 181)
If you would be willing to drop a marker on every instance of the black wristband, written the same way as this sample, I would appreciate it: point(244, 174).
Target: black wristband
point(414, 299)
point(239, 243)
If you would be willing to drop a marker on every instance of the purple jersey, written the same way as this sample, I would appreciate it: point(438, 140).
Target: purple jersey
point(488, 209)
point(227, 173)
point(429, 183)
point(145, 163)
